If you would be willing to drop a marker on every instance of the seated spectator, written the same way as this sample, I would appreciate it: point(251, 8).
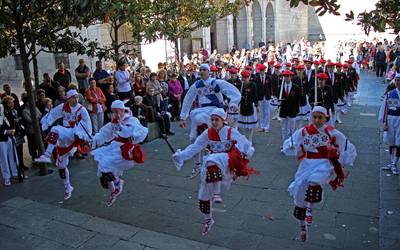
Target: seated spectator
point(154, 85)
point(49, 86)
point(96, 105)
point(62, 98)
point(110, 97)
point(30, 134)
point(139, 87)
point(175, 93)
point(161, 117)
point(140, 111)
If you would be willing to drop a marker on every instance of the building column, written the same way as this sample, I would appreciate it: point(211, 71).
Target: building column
point(230, 34)
point(264, 20)
point(207, 39)
point(249, 35)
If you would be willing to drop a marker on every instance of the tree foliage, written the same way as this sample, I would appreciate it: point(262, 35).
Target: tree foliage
point(386, 14)
point(149, 20)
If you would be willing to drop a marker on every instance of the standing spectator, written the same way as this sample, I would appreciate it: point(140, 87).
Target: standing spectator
point(139, 87)
point(40, 96)
point(14, 154)
point(61, 96)
point(162, 77)
point(49, 105)
point(124, 85)
point(8, 159)
point(62, 76)
point(175, 92)
point(82, 74)
point(102, 77)
point(49, 86)
point(26, 116)
point(380, 61)
point(8, 92)
point(96, 105)
point(185, 81)
point(110, 97)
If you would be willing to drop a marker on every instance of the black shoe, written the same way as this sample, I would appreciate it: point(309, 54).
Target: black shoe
point(20, 178)
point(170, 133)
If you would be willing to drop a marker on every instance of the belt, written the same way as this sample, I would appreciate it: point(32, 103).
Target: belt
point(394, 112)
point(122, 140)
point(313, 155)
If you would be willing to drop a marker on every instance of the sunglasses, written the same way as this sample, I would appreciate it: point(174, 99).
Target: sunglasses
point(320, 117)
point(203, 69)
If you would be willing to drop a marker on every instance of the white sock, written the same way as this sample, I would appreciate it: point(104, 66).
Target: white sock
point(217, 187)
point(50, 149)
point(67, 183)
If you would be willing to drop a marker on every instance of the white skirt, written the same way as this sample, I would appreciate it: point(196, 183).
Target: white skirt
point(341, 106)
point(248, 121)
point(319, 171)
point(304, 113)
point(273, 104)
point(110, 159)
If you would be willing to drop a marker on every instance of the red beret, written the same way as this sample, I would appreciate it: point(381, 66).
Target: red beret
point(345, 65)
point(214, 68)
point(271, 62)
point(249, 67)
point(330, 64)
point(322, 61)
point(322, 76)
point(307, 61)
point(246, 73)
point(338, 64)
point(233, 70)
point(316, 62)
point(278, 65)
point(350, 61)
point(287, 73)
point(301, 66)
point(261, 67)
point(288, 64)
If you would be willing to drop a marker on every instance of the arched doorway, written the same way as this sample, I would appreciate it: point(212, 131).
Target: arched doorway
point(270, 25)
point(257, 23)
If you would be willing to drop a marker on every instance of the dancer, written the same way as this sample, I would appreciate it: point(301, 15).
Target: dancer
point(228, 160)
point(209, 94)
point(389, 115)
point(323, 150)
point(66, 138)
point(124, 132)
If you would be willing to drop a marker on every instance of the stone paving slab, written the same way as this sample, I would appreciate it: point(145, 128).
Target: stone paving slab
point(41, 229)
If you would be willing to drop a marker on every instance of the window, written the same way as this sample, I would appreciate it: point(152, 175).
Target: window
point(18, 62)
point(62, 57)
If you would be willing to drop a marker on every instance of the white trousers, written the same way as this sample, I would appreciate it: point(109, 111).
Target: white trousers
point(288, 127)
point(8, 159)
point(265, 114)
point(97, 121)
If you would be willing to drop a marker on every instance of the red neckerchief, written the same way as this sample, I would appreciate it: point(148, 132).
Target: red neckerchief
point(61, 71)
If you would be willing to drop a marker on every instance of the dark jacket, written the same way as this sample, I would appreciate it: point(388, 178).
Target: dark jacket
point(324, 98)
point(249, 97)
point(290, 104)
point(63, 79)
point(264, 88)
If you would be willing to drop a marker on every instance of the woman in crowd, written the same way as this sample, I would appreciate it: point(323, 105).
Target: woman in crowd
point(96, 105)
point(175, 93)
point(139, 87)
point(123, 79)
